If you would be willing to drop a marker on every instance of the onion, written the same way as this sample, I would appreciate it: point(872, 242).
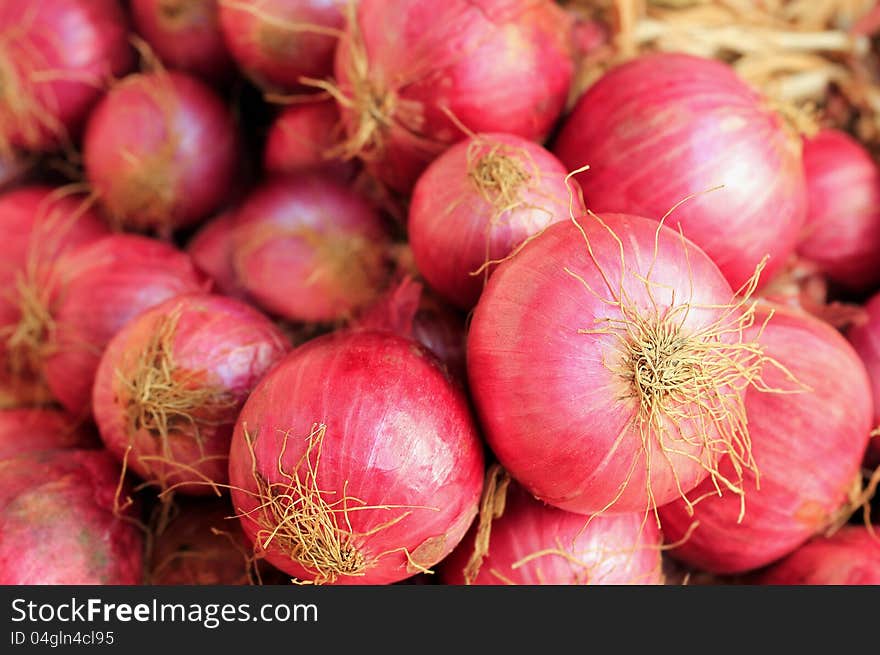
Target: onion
point(849, 557)
point(606, 364)
point(413, 73)
point(309, 249)
point(865, 338)
point(807, 443)
point(185, 34)
point(300, 139)
point(356, 461)
point(171, 383)
point(278, 42)
point(96, 290)
point(38, 224)
point(478, 202)
point(31, 430)
point(56, 57)
point(664, 127)
point(531, 543)
point(160, 151)
point(211, 251)
point(842, 234)
point(59, 523)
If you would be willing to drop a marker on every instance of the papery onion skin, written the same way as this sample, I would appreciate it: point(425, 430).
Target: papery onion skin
point(398, 433)
point(262, 38)
point(549, 402)
point(491, 65)
point(865, 338)
point(56, 58)
point(98, 288)
point(309, 249)
point(849, 557)
point(609, 550)
point(455, 226)
point(211, 251)
point(176, 168)
point(57, 521)
point(185, 34)
point(808, 440)
point(665, 127)
point(31, 430)
point(842, 232)
point(215, 350)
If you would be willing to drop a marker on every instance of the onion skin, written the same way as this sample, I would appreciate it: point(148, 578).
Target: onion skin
point(454, 224)
point(185, 34)
point(32, 430)
point(211, 251)
point(808, 445)
point(97, 289)
point(842, 232)
point(865, 338)
point(664, 127)
point(550, 405)
point(57, 524)
point(261, 38)
point(398, 432)
point(177, 167)
point(610, 550)
point(56, 57)
point(309, 249)
point(494, 65)
point(215, 344)
point(850, 557)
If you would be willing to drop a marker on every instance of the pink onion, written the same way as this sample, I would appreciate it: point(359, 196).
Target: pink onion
point(865, 338)
point(31, 430)
point(667, 126)
point(356, 461)
point(211, 251)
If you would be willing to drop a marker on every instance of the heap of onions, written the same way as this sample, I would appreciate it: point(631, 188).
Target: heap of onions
point(413, 73)
point(842, 233)
point(211, 251)
point(865, 338)
point(176, 168)
point(356, 461)
point(60, 524)
point(31, 430)
point(277, 43)
point(849, 557)
point(808, 440)
point(478, 202)
point(664, 127)
point(184, 34)
point(309, 249)
point(56, 57)
point(171, 382)
point(524, 541)
point(607, 364)
point(95, 290)
point(38, 224)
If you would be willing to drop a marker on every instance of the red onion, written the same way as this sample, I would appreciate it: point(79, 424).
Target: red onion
point(532, 543)
point(211, 251)
point(185, 34)
point(412, 73)
point(31, 430)
point(842, 233)
point(808, 443)
point(38, 224)
point(607, 366)
point(278, 42)
point(666, 126)
point(865, 338)
point(59, 523)
point(56, 56)
point(309, 249)
point(97, 289)
point(160, 151)
point(171, 383)
point(849, 557)
point(301, 138)
point(356, 461)
point(478, 202)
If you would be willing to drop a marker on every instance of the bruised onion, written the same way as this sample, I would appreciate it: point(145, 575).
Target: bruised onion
point(356, 461)
point(477, 203)
point(849, 557)
point(412, 73)
point(30, 430)
point(665, 127)
point(171, 382)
